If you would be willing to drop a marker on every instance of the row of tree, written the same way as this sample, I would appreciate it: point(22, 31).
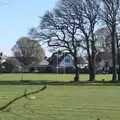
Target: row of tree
point(71, 27)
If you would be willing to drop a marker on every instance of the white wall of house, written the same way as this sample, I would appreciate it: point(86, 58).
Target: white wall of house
point(66, 62)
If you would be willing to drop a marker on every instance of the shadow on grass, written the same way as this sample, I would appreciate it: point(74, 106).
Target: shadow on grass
point(68, 83)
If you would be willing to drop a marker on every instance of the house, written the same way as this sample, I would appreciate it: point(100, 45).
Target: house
point(60, 62)
point(64, 63)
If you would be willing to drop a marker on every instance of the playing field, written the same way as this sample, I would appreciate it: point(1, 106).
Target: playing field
point(60, 102)
point(63, 103)
point(52, 77)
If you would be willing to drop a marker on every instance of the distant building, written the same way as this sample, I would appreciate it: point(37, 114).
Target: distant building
point(64, 62)
point(39, 67)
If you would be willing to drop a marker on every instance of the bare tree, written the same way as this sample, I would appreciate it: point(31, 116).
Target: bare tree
point(71, 26)
point(86, 15)
point(59, 30)
point(109, 15)
point(28, 51)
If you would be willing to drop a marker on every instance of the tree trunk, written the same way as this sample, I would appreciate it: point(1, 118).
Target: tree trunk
point(118, 58)
point(119, 72)
point(118, 69)
point(91, 71)
point(76, 78)
point(92, 62)
point(114, 76)
point(90, 66)
point(91, 58)
point(114, 55)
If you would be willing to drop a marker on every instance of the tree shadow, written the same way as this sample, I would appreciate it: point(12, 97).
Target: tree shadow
point(66, 83)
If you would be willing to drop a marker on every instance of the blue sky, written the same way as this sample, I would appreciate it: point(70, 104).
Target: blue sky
point(17, 17)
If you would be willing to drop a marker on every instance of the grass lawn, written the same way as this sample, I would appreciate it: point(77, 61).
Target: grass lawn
point(53, 77)
point(63, 103)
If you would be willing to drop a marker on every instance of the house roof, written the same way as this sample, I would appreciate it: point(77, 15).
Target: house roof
point(57, 57)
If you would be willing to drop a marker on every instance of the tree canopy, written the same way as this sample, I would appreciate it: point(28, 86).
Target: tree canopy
point(28, 51)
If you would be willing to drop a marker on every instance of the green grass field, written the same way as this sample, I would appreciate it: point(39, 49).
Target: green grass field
point(52, 77)
point(62, 102)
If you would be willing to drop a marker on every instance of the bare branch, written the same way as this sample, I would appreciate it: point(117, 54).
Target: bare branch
point(20, 97)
